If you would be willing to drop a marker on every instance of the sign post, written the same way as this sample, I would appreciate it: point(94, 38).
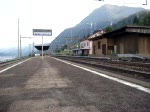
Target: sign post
point(42, 47)
point(42, 32)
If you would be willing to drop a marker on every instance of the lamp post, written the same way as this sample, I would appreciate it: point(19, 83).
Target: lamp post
point(29, 50)
point(42, 47)
point(20, 48)
point(71, 34)
point(18, 40)
point(33, 49)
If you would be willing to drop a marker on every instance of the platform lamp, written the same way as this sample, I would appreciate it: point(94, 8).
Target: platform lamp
point(29, 50)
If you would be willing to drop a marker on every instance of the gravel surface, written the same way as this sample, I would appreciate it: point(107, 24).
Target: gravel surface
point(53, 86)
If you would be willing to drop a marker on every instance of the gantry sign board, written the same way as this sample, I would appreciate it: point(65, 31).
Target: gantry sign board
point(42, 32)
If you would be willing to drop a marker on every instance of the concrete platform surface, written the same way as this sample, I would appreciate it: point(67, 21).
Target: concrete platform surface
point(50, 85)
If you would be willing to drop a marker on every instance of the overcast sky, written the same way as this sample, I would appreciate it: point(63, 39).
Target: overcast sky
point(46, 14)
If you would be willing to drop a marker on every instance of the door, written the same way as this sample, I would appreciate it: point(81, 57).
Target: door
point(121, 48)
point(104, 49)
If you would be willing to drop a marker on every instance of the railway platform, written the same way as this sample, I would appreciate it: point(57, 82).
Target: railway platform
point(55, 85)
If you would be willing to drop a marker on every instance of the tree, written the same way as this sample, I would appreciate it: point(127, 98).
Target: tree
point(88, 35)
point(109, 29)
point(146, 21)
point(57, 50)
point(136, 21)
point(64, 47)
point(84, 36)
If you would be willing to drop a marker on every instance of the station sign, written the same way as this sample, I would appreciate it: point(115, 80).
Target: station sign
point(42, 32)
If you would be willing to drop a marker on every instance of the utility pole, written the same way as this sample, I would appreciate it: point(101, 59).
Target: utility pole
point(71, 34)
point(18, 40)
point(91, 28)
point(29, 50)
point(42, 47)
point(20, 48)
point(33, 48)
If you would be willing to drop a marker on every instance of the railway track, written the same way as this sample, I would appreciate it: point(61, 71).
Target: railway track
point(134, 68)
point(3, 64)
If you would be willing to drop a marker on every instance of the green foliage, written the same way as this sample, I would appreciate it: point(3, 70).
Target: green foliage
point(109, 29)
point(146, 21)
point(64, 47)
point(88, 35)
point(66, 52)
point(142, 20)
point(76, 46)
point(84, 36)
point(136, 21)
point(57, 50)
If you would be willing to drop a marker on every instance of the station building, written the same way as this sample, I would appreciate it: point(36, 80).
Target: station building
point(127, 40)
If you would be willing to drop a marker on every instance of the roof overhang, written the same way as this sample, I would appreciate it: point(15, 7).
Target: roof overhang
point(142, 30)
point(84, 48)
point(40, 47)
point(81, 49)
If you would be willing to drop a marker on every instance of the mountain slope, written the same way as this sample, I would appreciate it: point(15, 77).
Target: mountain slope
point(130, 19)
point(101, 17)
point(110, 13)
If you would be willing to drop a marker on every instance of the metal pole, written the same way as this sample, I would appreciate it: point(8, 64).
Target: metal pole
point(18, 40)
point(29, 50)
point(91, 28)
point(42, 47)
point(20, 48)
point(33, 48)
point(71, 35)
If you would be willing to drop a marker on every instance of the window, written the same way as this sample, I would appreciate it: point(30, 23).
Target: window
point(99, 44)
point(82, 46)
point(87, 43)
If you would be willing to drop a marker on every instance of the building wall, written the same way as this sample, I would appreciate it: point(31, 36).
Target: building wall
point(110, 47)
point(128, 44)
point(133, 44)
point(86, 44)
point(144, 45)
point(99, 50)
point(91, 50)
